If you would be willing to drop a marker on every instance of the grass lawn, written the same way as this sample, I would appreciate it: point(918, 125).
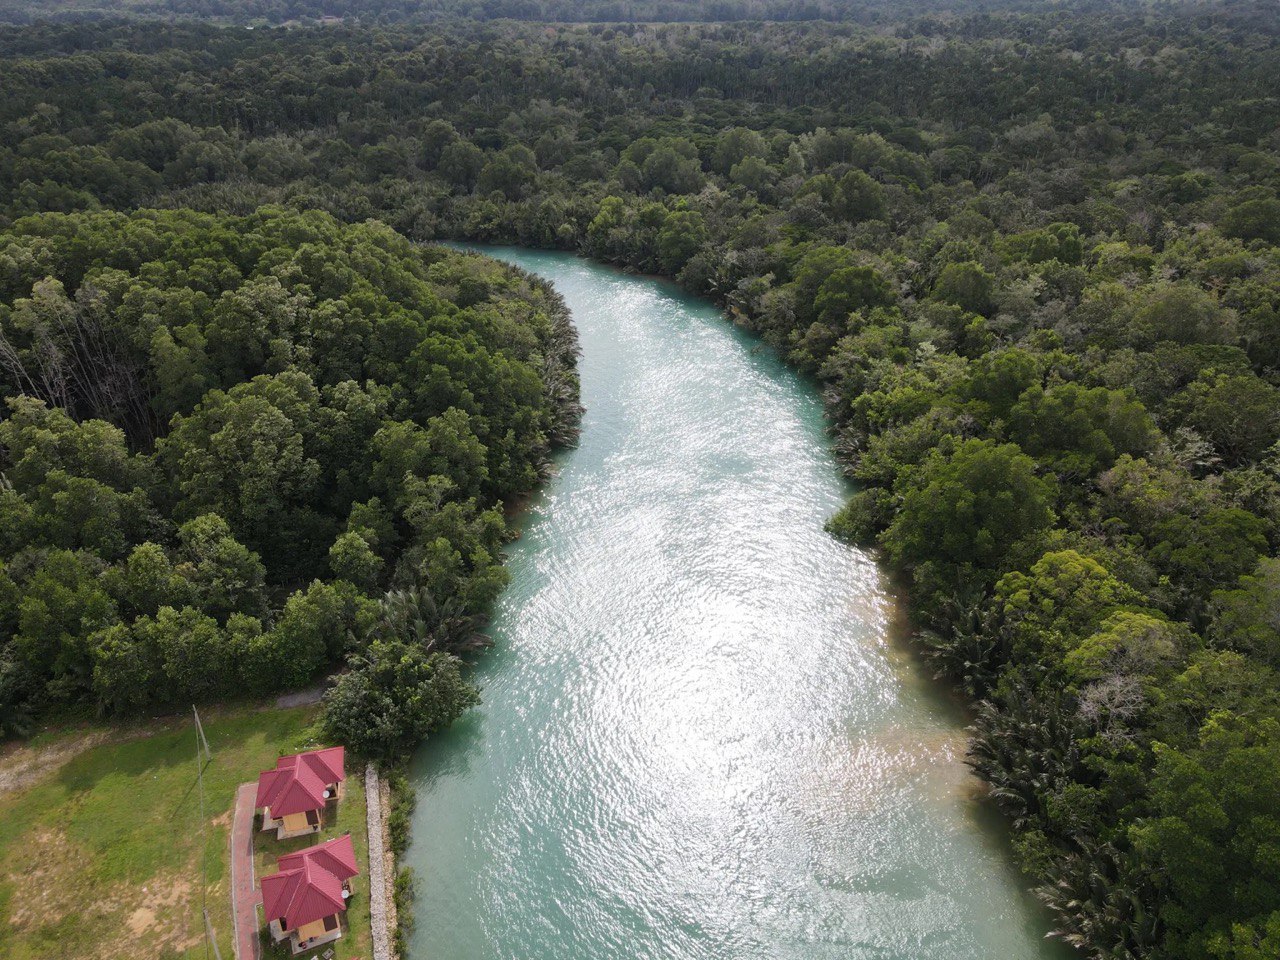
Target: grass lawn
point(101, 858)
point(347, 816)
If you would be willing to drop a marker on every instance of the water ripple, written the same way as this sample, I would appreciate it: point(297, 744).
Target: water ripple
point(697, 740)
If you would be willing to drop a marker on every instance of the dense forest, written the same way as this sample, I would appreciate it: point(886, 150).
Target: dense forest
point(302, 12)
point(1031, 256)
point(240, 449)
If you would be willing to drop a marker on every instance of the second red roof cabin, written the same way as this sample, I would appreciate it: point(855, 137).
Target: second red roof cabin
point(293, 796)
point(305, 900)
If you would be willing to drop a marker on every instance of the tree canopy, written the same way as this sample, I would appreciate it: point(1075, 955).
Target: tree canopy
point(1028, 251)
point(227, 436)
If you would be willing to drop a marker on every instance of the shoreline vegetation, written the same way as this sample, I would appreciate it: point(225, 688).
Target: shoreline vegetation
point(1031, 253)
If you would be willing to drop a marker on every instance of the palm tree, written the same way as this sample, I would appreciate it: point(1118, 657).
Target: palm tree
point(1105, 903)
point(973, 650)
point(416, 616)
point(1026, 749)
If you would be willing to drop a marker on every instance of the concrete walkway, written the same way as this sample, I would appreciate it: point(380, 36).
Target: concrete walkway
point(245, 897)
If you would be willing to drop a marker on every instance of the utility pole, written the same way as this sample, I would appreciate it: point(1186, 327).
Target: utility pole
point(204, 756)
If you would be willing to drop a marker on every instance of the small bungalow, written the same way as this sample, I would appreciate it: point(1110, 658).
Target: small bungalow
point(293, 796)
point(305, 899)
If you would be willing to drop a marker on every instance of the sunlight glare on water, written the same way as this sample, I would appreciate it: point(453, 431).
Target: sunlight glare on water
point(697, 739)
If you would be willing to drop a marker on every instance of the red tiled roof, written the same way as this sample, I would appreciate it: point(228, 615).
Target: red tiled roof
point(337, 856)
point(297, 783)
point(308, 886)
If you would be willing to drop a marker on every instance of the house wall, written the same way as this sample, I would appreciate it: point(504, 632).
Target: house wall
point(309, 930)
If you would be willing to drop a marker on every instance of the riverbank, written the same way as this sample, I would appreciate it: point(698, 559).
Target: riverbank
point(381, 867)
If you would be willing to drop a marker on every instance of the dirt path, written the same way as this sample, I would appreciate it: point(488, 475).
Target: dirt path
point(21, 766)
point(245, 897)
point(300, 698)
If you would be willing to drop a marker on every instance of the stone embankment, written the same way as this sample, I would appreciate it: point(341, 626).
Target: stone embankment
point(381, 873)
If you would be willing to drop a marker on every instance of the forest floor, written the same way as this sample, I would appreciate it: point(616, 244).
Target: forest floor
point(102, 850)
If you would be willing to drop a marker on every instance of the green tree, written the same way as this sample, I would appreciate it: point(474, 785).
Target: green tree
point(192, 650)
point(1058, 241)
point(1078, 431)
point(510, 172)
point(1247, 618)
point(754, 174)
point(671, 168)
point(1211, 840)
point(682, 235)
point(313, 630)
point(1060, 601)
point(147, 581)
point(461, 163)
point(1207, 552)
point(241, 455)
point(393, 697)
point(848, 290)
point(858, 197)
point(812, 271)
point(1130, 643)
point(453, 450)
point(735, 145)
point(63, 604)
point(225, 575)
point(962, 516)
point(1239, 414)
point(1178, 312)
point(1256, 219)
point(38, 439)
point(126, 672)
point(352, 558)
point(967, 285)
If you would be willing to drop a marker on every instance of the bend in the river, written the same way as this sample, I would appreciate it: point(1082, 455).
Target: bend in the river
point(697, 738)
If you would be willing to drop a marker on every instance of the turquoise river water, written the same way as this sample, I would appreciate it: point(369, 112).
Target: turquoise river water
point(699, 737)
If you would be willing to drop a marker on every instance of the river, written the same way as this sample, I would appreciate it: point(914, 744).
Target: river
point(699, 736)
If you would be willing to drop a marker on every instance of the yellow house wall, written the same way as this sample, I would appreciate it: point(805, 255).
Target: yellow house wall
point(309, 930)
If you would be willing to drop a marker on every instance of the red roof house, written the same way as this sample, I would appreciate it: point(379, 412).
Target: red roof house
point(305, 899)
point(292, 795)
